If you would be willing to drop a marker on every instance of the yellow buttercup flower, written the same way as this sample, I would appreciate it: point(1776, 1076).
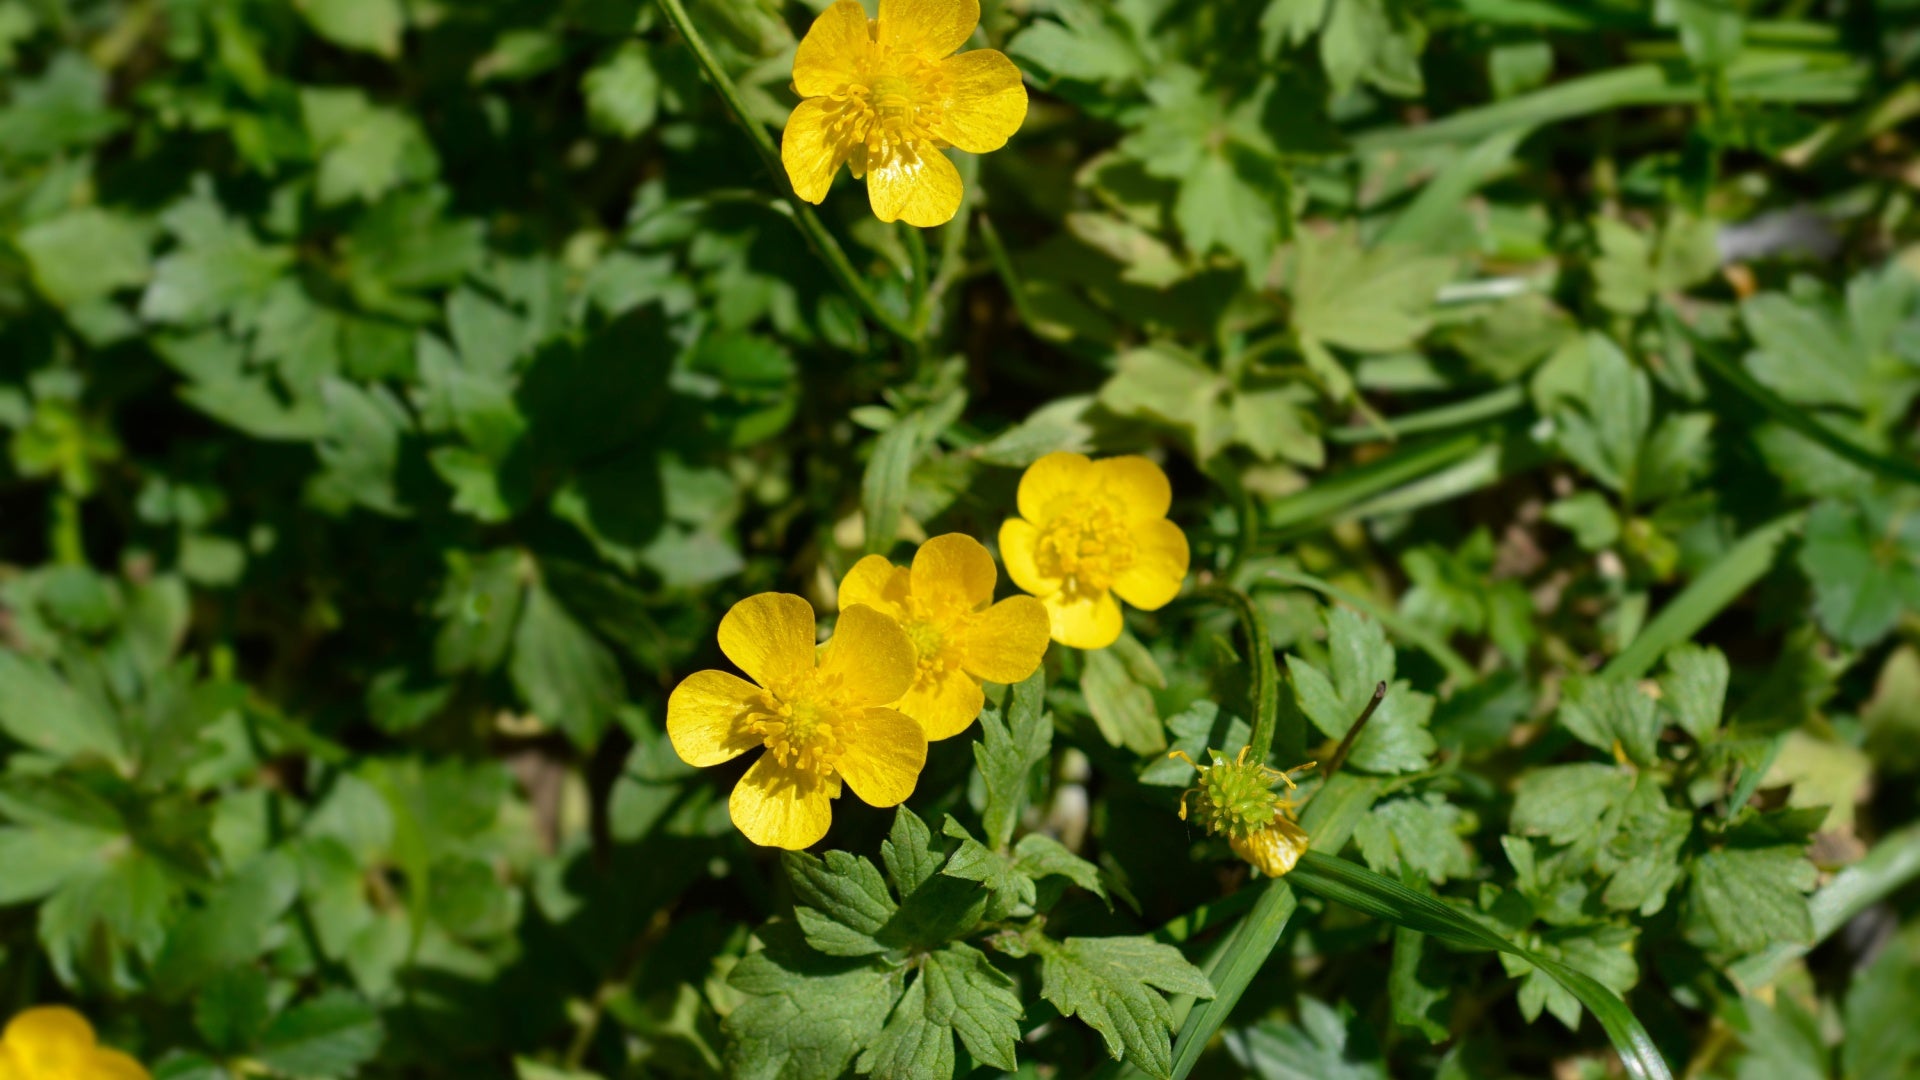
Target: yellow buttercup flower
point(960, 641)
point(1088, 530)
point(820, 712)
point(52, 1042)
point(884, 97)
point(1235, 799)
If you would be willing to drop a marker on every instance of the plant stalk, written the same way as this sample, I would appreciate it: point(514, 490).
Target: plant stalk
point(818, 237)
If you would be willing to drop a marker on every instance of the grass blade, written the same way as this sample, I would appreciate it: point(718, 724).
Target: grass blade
point(1330, 497)
point(1232, 970)
point(1365, 891)
point(1705, 597)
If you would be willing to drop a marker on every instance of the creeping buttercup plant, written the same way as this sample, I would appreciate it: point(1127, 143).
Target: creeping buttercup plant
point(794, 539)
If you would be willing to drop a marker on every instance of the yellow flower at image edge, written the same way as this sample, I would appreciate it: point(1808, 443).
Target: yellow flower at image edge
point(959, 641)
point(885, 96)
point(56, 1043)
point(1088, 531)
point(820, 713)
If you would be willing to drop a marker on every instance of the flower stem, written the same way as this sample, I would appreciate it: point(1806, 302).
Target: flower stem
point(1009, 277)
point(1353, 734)
point(917, 266)
point(818, 237)
point(1263, 682)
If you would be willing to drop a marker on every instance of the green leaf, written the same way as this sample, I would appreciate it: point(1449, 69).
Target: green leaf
point(1603, 429)
point(216, 268)
point(1744, 899)
point(232, 929)
point(912, 1044)
point(41, 710)
point(623, 91)
point(1122, 708)
point(1237, 198)
point(1164, 382)
point(568, 678)
point(1569, 803)
point(1013, 891)
point(360, 449)
point(1694, 688)
point(957, 993)
point(1195, 729)
point(1612, 715)
point(66, 106)
point(1864, 563)
point(1804, 354)
point(1313, 1047)
point(839, 903)
point(480, 604)
point(1604, 953)
point(1367, 301)
point(85, 255)
point(1038, 856)
point(806, 1015)
point(43, 857)
point(909, 853)
point(1372, 40)
point(1110, 983)
point(1396, 739)
point(1643, 855)
point(365, 150)
point(1417, 1003)
point(1417, 835)
point(1006, 756)
point(232, 1009)
point(365, 25)
point(330, 1037)
point(1622, 275)
point(1881, 1002)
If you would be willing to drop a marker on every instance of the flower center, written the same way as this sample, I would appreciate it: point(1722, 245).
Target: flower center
point(1087, 548)
point(929, 637)
point(806, 731)
point(889, 110)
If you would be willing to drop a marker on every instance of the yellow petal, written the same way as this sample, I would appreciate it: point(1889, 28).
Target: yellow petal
point(871, 657)
point(1136, 484)
point(707, 718)
point(953, 571)
point(775, 806)
point(878, 584)
point(921, 188)
point(943, 701)
point(1159, 565)
point(770, 636)
point(929, 29)
point(1005, 643)
point(1018, 538)
point(50, 1042)
point(114, 1065)
point(985, 104)
point(830, 55)
point(11, 1069)
point(1273, 849)
point(810, 150)
point(1085, 622)
point(884, 757)
point(1051, 484)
